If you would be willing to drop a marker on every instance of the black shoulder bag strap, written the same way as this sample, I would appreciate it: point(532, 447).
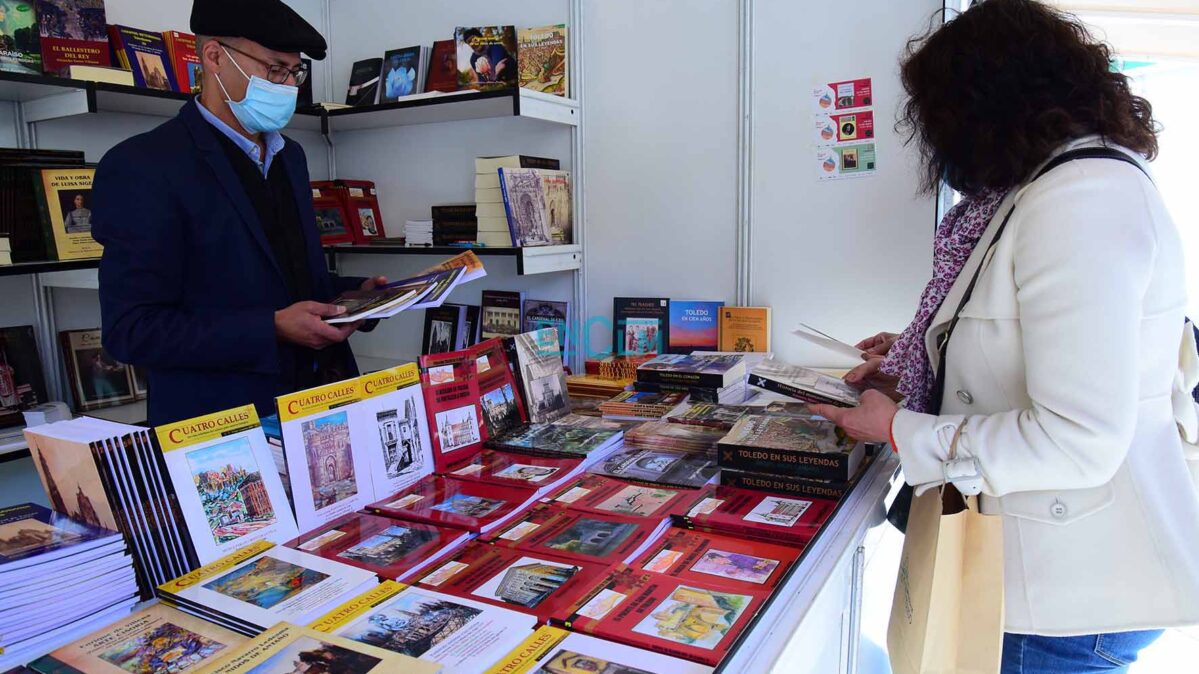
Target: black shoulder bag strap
point(898, 514)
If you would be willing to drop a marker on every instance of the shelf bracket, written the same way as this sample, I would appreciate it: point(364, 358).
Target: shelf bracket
point(549, 259)
point(70, 103)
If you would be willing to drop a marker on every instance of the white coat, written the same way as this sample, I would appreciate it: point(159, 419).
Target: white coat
point(1062, 369)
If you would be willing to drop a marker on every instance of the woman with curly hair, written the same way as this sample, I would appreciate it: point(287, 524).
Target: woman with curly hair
point(1047, 343)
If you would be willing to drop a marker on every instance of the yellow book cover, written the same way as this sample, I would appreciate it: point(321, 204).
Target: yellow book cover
point(320, 399)
point(66, 198)
point(745, 329)
point(219, 566)
point(542, 59)
point(529, 654)
point(291, 648)
point(347, 612)
point(386, 381)
point(210, 427)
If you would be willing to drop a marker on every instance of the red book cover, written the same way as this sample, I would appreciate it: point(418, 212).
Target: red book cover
point(185, 61)
point(332, 221)
point(460, 504)
point(687, 620)
point(516, 470)
point(500, 403)
point(584, 537)
point(361, 201)
point(443, 67)
point(610, 496)
point(392, 549)
point(759, 515)
point(452, 403)
point(540, 585)
point(717, 560)
point(73, 32)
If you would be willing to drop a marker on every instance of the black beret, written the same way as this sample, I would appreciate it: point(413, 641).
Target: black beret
point(270, 23)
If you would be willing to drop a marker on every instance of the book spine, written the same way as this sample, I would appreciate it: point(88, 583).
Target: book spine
point(788, 463)
point(699, 394)
point(49, 245)
point(784, 484)
point(540, 163)
point(779, 387)
point(508, 208)
point(685, 379)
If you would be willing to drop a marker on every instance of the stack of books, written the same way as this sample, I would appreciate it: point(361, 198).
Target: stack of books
point(574, 435)
point(418, 232)
point(712, 415)
point(454, 224)
point(802, 383)
point(751, 514)
point(713, 378)
point(665, 435)
point(493, 228)
point(59, 579)
point(641, 406)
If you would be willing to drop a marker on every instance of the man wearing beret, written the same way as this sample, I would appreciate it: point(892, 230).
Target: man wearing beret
point(213, 278)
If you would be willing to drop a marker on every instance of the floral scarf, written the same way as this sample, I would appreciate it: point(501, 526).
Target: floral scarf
point(956, 237)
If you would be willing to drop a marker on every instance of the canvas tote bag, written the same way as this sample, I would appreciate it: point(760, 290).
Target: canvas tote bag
point(947, 614)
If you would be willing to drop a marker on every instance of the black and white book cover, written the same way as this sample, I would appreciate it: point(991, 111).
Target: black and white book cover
point(444, 329)
point(500, 314)
point(542, 375)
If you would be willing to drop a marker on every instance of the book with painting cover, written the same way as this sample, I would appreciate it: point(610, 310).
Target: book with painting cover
point(791, 446)
point(460, 635)
point(72, 32)
point(542, 374)
point(291, 648)
point(758, 515)
point(551, 650)
point(667, 467)
point(22, 384)
point(157, 638)
point(694, 326)
point(712, 415)
point(802, 383)
point(593, 493)
point(693, 621)
point(329, 469)
point(384, 546)
point(788, 485)
point(403, 73)
point(224, 479)
point(181, 48)
point(641, 325)
point(540, 314)
point(451, 393)
point(144, 53)
point(462, 504)
point(32, 535)
point(572, 534)
point(542, 473)
point(391, 423)
point(559, 439)
point(363, 89)
point(543, 59)
point(534, 584)
point(500, 315)
point(97, 379)
point(332, 219)
point(21, 51)
point(745, 329)
point(717, 559)
point(64, 197)
point(713, 371)
point(263, 584)
point(486, 57)
point(443, 67)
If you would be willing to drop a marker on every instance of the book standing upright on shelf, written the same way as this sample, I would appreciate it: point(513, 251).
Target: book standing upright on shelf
point(363, 89)
point(542, 375)
point(22, 384)
point(443, 67)
point(64, 199)
point(181, 48)
point(403, 73)
point(72, 32)
point(745, 329)
point(543, 59)
point(538, 314)
point(23, 55)
point(452, 404)
point(445, 329)
point(97, 379)
point(144, 53)
point(641, 325)
point(500, 313)
point(486, 57)
point(694, 326)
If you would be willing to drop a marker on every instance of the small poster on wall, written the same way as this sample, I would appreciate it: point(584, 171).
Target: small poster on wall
point(846, 161)
point(844, 95)
point(843, 126)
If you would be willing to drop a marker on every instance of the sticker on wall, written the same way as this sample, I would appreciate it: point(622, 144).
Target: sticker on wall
point(844, 96)
point(845, 127)
point(846, 161)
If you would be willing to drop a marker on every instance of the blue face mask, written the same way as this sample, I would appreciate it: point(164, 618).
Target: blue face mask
point(267, 107)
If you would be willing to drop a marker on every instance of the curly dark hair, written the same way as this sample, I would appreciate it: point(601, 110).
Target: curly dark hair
point(993, 92)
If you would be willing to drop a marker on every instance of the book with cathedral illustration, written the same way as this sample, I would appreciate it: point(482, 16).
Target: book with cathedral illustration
point(542, 374)
point(551, 650)
point(542, 473)
point(693, 621)
point(791, 446)
point(534, 584)
point(451, 391)
point(579, 536)
point(33, 535)
point(537, 203)
point(144, 53)
point(461, 635)
point(224, 479)
point(609, 496)
point(757, 515)
point(717, 559)
point(802, 383)
point(390, 423)
point(330, 472)
point(157, 638)
point(461, 504)
point(669, 467)
point(291, 648)
point(387, 547)
point(263, 584)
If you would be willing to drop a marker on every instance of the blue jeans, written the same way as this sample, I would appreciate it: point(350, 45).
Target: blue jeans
point(1030, 654)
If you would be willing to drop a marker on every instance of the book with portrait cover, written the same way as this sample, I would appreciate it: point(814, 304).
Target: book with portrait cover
point(445, 329)
point(791, 446)
point(263, 584)
point(97, 379)
point(443, 67)
point(757, 515)
point(694, 326)
point(185, 62)
point(72, 32)
point(593, 493)
point(641, 325)
point(157, 638)
point(580, 536)
point(539, 585)
point(660, 466)
point(538, 314)
point(543, 59)
point(712, 371)
point(693, 621)
point(551, 650)
point(486, 57)
point(717, 559)
point(460, 635)
point(144, 53)
point(291, 648)
point(225, 481)
point(390, 422)
point(329, 470)
point(64, 199)
point(462, 504)
point(745, 329)
point(20, 49)
point(364, 82)
point(389, 548)
point(518, 470)
point(403, 73)
point(500, 314)
point(22, 384)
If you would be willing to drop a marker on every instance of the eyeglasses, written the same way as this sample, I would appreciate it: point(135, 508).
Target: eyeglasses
point(275, 73)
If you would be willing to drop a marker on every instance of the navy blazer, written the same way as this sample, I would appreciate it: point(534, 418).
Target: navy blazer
point(188, 282)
